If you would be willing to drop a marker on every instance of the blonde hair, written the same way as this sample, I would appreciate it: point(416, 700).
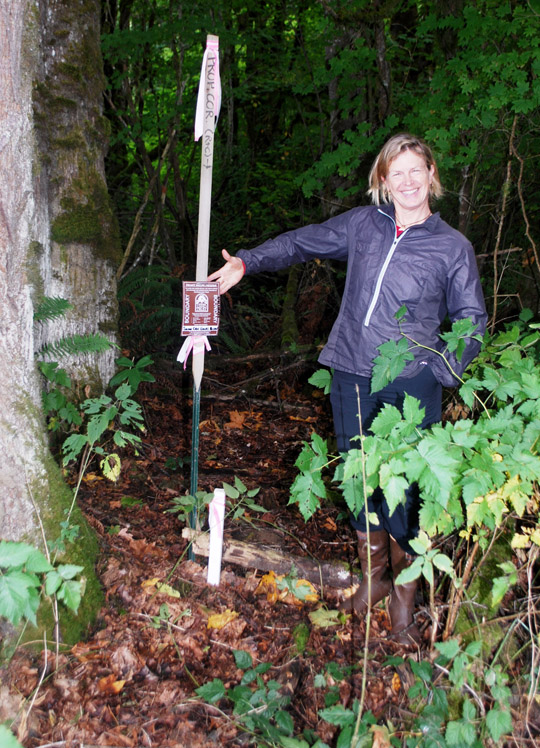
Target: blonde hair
point(390, 150)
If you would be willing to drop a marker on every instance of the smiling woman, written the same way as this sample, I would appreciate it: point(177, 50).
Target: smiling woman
point(408, 183)
point(397, 254)
point(406, 174)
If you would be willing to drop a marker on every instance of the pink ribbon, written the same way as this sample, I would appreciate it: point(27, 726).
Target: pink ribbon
point(216, 510)
point(195, 343)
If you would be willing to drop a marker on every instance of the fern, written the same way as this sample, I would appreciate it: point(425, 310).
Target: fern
point(51, 307)
point(150, 285)
point(75, 345)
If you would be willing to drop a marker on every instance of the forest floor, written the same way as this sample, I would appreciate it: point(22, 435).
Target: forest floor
point(163, 631)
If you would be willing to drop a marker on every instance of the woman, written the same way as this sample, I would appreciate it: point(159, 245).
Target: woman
point(398, 253)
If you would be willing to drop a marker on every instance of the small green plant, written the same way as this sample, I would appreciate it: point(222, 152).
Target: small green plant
point(176, 463)
point(241, 498)
point(258, 705)
point(460, 701)
point(105, 414)
point(68, 534)
point(165, 617)
point(24, 572)
point(132, 372)
point(60, 411)
point(240, 501)
point(186, 506)
point(290, 583)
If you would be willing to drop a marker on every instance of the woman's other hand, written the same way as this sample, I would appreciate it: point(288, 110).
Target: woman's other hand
point(230, 274)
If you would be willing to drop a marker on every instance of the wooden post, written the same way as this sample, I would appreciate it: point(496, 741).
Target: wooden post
point(208, 103)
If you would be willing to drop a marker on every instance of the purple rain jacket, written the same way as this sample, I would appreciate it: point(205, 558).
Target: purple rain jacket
point(430, 268)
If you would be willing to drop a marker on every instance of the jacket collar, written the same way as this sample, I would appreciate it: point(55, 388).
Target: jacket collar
point(387, 209)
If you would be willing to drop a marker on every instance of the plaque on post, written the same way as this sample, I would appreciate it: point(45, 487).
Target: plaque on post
point(201, 301)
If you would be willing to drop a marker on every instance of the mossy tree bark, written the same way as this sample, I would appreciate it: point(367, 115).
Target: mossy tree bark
point(78, 261)
point(57, 238)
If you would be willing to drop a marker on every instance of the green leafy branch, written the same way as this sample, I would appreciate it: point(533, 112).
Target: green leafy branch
point(471, 474)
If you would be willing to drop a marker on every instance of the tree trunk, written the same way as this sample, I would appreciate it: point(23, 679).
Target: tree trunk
point(52, 185)
point(78, 261)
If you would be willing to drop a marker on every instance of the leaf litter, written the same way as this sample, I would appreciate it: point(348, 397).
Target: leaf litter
point(162, 631)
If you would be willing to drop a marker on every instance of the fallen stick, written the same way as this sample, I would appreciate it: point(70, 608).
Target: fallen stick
point(328, 573)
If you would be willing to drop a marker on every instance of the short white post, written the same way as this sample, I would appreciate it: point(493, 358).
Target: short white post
point(216, 518)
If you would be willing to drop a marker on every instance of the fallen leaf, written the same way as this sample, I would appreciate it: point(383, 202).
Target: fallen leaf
point(237, 419)
point(304, 591)
point(381, 738)
point(268, 586)
point(89, 477)
point(160, 586)
point(220, 620)
point(272, 585)
point(166, 589)
point(322, 618)
point(149, 582)
point(208, 425)
point(109, 684)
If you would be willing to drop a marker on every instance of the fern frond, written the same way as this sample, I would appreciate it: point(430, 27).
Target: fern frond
point(76, 345)
point(51, 307)
point(148, 279)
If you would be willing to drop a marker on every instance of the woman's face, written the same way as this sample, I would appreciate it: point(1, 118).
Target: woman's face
point(408, 181)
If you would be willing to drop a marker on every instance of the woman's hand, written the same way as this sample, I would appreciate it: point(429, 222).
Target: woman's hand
point(230, 274)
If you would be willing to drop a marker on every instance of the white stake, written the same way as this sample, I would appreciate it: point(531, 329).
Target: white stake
point(216, 518)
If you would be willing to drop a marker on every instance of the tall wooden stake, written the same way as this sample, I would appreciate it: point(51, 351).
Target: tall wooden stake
point(208, 104)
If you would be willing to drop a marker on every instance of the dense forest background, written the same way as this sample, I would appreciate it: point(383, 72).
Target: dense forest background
point(311, 90)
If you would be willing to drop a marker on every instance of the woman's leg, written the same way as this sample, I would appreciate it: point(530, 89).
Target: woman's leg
point(352, 403)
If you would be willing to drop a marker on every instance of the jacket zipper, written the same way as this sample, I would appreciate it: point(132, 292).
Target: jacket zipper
point(382, 273)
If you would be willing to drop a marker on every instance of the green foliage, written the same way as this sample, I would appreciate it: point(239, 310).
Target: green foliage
point(24, 571)
point(60, 411)
point(241, 498)
point(68, 534)
point(293, 585)
point(52, 307)
point(187, 506)
point(471, 473)
point(241, 502)
point(132, 372)
point(76, 345)
point(457, 699)
point(8, 739)
point(57, 406)
point(467, 684)
point(392, 358)
point(257, 704)
point(322, 378)
point(308, 487)
point(103, 414)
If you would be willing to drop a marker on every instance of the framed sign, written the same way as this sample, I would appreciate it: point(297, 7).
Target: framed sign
point(200, 306)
